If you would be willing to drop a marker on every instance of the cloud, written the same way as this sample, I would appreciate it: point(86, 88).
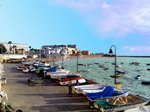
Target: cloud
point(118, 16)
point(138, 49)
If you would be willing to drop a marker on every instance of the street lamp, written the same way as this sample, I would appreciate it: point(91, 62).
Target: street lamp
point(62, 56)
point(111, 52)
point(53, 56)
point(78, 54)
point(62, 60)
point(62, 53)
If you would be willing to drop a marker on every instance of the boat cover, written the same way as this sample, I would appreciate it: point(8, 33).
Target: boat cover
point(109, 92)
point(52, 69)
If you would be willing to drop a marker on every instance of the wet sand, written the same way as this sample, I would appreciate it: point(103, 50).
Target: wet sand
point(49, 97)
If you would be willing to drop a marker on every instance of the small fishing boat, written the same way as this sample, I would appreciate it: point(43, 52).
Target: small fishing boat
point(134, 63)
point(108, 93)
point(89, 64)
point(145, 82)
point(74, 80)
point(138, 77)
point(55, 70)
point(96, 63)
point(148, 64)
point(123, 104)
point(80, 64)
point(148, 69)
point(121, 72)
point(82, 89)
point(60, 76)
point(116, 76)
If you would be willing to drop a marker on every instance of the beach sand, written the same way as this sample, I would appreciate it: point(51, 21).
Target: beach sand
point(49, 97)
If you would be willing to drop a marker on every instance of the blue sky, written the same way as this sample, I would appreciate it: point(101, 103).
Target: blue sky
point(92, 25)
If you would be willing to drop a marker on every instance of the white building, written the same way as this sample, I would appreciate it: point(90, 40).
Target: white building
point(21, 48)
point(50, 51)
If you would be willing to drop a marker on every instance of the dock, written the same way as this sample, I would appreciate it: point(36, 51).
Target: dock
point(49, 97)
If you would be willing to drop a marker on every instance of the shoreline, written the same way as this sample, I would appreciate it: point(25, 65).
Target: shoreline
point(47, 60)
point(67, 58)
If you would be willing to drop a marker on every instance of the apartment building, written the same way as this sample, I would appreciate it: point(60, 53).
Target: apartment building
point(50, 51)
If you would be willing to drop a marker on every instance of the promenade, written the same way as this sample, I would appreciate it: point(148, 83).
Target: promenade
point(49, 97)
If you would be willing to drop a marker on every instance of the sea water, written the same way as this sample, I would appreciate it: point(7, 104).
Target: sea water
point(96, 73)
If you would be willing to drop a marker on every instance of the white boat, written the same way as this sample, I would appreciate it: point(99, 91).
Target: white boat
point(130, 103)
point(60, 76)
point(74, 80)
point(52, 71)
point(145, 108)
point(82, 89)
point(25, 70)
point(138, 77)
point(107, 93)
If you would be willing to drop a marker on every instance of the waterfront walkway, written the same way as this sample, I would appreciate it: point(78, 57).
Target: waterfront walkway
point(49, 97)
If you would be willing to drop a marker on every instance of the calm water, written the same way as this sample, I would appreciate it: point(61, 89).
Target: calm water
point(97, 73)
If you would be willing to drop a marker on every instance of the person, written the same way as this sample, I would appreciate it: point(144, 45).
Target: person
point(70, 87)
point(41, 73)
point(77, 82)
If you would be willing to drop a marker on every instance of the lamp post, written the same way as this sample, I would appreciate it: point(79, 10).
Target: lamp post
point(62, 56)
point(62, 53)
point(62, 60)
point(53, 56)
point(111, 52)
point(77, 61)
point(78, 54)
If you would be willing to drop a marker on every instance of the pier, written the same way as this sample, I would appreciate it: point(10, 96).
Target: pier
point(49, 97)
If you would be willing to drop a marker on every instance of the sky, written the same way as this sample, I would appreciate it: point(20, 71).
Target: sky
point(93, 25)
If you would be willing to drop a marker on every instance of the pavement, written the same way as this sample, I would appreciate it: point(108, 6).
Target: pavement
point(49, 97)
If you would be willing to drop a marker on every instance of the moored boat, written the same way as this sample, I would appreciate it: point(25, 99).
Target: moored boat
point(81, 89)
point(54, 70)
point(145, 82)
point(138, 77)
point(60, 76)
point(108, 93)
point(131, 101)
point(74, 80)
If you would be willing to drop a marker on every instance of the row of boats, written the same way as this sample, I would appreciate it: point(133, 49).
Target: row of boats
point(54, 72)
point(101, 96)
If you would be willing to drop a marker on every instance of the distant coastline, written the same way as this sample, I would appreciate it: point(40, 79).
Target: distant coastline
point(75, 57)
point(136, 56)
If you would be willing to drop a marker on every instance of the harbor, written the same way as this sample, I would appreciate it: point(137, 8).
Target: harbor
point(75, 56)
point(30, 91)
point(49, 97)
